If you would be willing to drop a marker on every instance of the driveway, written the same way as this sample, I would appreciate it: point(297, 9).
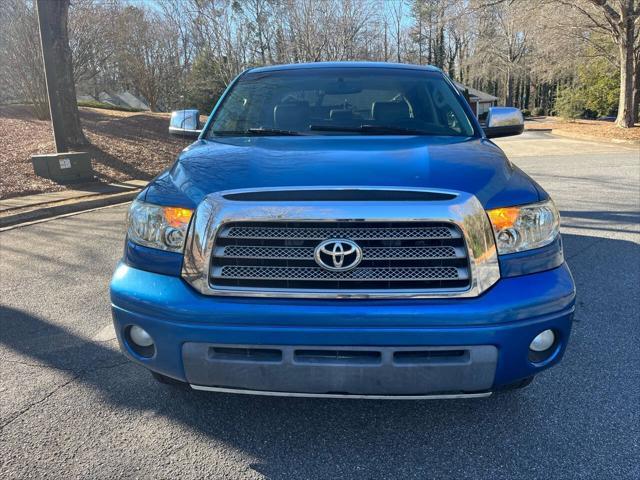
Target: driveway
point(71, 406)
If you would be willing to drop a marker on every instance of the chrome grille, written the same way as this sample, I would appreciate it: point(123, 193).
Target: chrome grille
point(395, 256)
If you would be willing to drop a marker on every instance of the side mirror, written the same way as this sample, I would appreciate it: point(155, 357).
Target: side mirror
point(185, 123)
point(503, 122)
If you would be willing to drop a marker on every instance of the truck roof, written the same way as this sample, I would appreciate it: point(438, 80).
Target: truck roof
point(294, 66)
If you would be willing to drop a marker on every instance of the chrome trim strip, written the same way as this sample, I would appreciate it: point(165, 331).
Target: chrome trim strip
point(447, 396)
point(464, 210)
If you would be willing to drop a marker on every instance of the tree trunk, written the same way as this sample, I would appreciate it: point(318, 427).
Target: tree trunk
point(420, 38)
point(386, 43)
point(545, 94)
point(61, 89)
point(625, 117)
point(508, 101)
point(636, 87)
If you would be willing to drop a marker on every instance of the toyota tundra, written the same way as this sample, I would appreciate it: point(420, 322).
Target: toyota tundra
point(344, 230)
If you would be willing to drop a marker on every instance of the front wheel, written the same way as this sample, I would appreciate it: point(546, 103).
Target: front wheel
point(167, 380)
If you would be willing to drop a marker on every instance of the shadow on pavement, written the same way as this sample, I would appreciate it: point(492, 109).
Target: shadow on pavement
point(604, 221)
point(629, 217)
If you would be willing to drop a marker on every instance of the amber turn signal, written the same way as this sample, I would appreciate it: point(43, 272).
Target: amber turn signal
point(177, 217)
point(502, 218)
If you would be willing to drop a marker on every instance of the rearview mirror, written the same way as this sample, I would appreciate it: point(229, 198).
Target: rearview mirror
point(340, 87)
point(503, 122)
point(185, 123)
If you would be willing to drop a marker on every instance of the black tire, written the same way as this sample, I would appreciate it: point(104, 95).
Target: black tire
point(525, 382)
point(167, 380)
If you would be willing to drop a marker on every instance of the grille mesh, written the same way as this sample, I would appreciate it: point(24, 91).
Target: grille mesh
point(322, 233)
point(302, 253)
point(395, 256)
point(317, 273)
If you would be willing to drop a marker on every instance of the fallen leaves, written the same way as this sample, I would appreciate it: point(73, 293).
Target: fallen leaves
point(124, 146)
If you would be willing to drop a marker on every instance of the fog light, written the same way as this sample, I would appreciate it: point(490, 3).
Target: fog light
point(543, 341)
point(140, 336)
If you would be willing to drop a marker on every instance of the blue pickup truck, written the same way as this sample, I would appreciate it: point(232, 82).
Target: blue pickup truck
point(344, 230)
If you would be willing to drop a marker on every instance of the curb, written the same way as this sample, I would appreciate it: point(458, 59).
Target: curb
point(42, 211)
point(546, 130)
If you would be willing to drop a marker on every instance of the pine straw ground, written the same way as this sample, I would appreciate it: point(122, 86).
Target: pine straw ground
point(587, 129)
point(124, 146)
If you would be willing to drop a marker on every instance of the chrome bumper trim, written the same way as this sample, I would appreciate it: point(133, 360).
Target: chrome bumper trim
point(446, 396)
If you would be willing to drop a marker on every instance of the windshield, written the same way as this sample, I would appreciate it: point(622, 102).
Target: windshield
point(339, 101)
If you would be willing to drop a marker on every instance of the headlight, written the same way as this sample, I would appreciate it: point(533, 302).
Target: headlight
point(158, 227)
point(525, 227)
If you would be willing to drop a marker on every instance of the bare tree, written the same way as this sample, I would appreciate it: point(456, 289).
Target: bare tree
point(397, 18)
point(257, 15)
point(621, 19)
point(149, 55)
point(21, 71)
point(511, 43)
point(307, 37)
point(91, 42)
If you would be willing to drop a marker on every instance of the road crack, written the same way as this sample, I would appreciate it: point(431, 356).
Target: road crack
point(42, 400)
point(75, 377)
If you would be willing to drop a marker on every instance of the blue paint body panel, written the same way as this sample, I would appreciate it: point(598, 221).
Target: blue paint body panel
point(532, 261)
point(535, 292)
point(473, 165)
point(152, 259)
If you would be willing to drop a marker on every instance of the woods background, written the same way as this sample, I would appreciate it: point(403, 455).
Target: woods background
point(572, 58)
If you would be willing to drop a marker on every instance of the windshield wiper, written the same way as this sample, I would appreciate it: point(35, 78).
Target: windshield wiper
point(375, 129)
point(266, 132)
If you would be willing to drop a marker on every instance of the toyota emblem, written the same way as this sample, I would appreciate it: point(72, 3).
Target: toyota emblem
point(338, 255)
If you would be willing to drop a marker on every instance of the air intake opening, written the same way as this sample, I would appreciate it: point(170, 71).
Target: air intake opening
point(420, 357)
point(347, 195)
point(245, 354)
point(338, 357)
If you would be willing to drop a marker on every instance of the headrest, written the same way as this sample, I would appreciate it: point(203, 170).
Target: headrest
point(390, 111)
point(291, 115)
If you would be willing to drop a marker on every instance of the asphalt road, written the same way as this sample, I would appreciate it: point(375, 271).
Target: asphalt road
point(71, 406)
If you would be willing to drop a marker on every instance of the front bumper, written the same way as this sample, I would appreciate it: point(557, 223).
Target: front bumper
point(187, 327)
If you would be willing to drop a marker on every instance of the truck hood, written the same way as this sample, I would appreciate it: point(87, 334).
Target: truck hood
point(471, 165)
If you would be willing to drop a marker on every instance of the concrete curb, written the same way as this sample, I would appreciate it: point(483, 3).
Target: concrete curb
point(546, 130)
point(12, 218)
